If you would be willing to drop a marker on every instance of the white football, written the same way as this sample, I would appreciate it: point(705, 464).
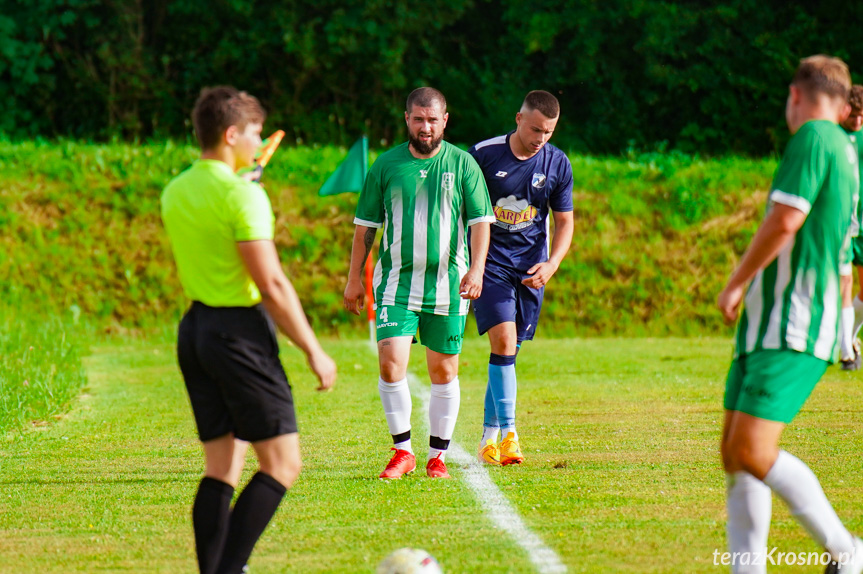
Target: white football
point(409, 561)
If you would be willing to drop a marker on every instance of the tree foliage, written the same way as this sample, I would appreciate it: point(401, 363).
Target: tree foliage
point(700, 76)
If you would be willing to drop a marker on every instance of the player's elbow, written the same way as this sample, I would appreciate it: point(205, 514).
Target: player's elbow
point(787, 220)
point(272, 287)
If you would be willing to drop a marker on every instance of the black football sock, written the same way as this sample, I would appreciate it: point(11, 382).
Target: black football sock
point(210, 516)
point(255, 507)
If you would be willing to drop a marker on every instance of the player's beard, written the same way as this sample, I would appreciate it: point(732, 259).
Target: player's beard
point(425, 148)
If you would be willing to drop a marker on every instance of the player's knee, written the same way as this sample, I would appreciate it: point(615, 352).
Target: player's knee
point(392, 372)
point(290, 472)
point(727, 458)
point(754, 459)
point(504, 344)
point(284, 471)
point(443, 374)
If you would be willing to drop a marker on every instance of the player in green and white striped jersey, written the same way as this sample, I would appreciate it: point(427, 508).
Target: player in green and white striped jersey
point(424, 194)
point(853, 124)
point(788, 332)
point(849, 348)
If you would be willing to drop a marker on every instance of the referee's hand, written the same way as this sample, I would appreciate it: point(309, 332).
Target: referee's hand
point(324, 369)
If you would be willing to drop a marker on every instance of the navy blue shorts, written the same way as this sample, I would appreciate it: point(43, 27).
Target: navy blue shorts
point(505, 299)
point(229, 357)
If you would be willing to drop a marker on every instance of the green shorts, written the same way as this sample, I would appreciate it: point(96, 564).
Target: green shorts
point(772, 385)
point(857, 248)
point(440, 333)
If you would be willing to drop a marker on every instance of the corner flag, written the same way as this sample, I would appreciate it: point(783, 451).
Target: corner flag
point(351, 173)
point(349, 177)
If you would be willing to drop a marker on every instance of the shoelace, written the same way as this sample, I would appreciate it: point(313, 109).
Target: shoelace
point(398, 459)
point(511, 446)
point(436, 463)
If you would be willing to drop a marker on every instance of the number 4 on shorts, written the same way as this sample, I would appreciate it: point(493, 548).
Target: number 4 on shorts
point(383, 314)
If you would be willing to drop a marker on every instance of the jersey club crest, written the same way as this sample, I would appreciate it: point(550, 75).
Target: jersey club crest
point(447, 180)
point(538, 180)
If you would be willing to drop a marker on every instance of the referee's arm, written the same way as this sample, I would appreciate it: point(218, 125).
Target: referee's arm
point(281, 302)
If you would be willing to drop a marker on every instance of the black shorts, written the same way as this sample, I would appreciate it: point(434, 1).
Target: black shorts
point(229, 357)
point(505, 298)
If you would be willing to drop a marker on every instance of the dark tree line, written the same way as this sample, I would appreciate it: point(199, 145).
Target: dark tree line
point(701, 76)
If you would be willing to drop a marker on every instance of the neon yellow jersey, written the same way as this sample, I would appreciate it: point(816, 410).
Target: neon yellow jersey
point(206, 210)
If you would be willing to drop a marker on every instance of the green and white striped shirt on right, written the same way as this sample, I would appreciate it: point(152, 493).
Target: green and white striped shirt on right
point(794, 302)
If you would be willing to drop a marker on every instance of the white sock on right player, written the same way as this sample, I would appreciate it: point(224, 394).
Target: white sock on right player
point(749, 505)
point(443, 409)
point(506, 430)
point(847, 334)
point(396, 398)
point(489, 434)
point(794, 483)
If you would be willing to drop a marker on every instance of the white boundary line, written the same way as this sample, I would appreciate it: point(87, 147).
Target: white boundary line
point(499, 510)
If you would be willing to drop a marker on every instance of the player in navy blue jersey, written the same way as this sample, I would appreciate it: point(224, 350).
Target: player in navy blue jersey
point(527, 177)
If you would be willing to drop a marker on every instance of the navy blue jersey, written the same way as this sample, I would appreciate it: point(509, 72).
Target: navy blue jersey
point(522, 191)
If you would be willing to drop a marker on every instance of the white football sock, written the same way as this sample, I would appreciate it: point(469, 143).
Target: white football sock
point(506, 430)
point(396, 398)
point(858, 313)
point(794, 482)
point(404, 445)
point(748, 501)
point(489, 434)
point(847, 333)
point(443, 409)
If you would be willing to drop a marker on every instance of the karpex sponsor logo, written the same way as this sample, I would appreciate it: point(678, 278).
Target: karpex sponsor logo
point(513, 213)
point(447, 181)
point(538, 180)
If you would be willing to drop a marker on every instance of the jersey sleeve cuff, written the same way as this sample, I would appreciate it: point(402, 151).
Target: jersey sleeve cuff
point(364, 223)
point(795, 201)
point(483, 219)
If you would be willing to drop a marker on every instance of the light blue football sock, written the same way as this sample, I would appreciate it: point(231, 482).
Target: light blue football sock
point(490, 416)
point(502, 382)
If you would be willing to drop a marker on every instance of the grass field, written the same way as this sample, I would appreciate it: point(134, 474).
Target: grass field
point(40, 367)
point(622, 472)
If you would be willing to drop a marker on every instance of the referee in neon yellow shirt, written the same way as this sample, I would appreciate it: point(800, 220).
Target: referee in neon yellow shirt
point(220, 228)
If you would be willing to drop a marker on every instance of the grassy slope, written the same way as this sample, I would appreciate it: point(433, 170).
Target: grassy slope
point(656, 235)
point(622, 466)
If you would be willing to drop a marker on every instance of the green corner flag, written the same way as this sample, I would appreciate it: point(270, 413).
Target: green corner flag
point(351, 173)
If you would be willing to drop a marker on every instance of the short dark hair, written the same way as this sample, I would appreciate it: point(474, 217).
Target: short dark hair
point(822, 74)
point(221, 107)
point(425, 98)
point(543, 102)
point(855, 98)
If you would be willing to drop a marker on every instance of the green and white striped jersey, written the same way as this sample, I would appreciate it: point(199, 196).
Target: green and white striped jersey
point(425, 207)
point(858, 210)
point(793, 303)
